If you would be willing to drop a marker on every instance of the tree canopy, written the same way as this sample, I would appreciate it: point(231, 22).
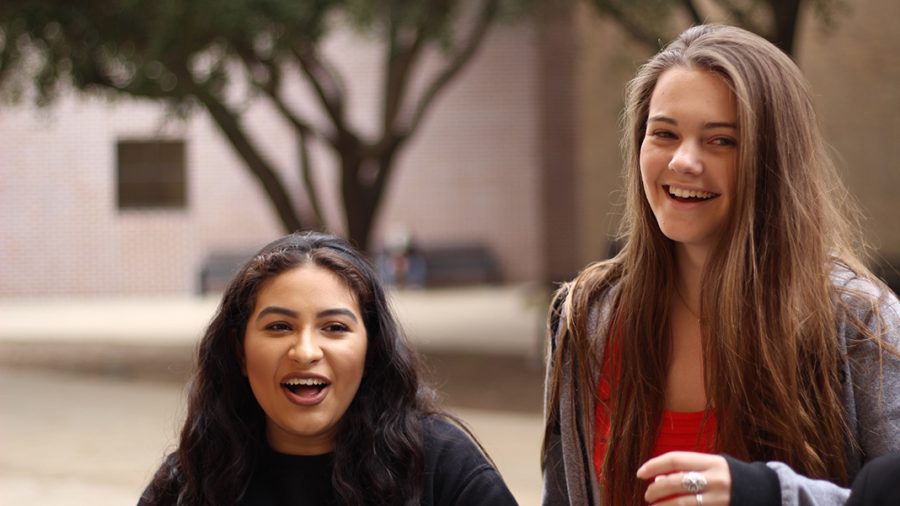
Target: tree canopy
point(192, 53)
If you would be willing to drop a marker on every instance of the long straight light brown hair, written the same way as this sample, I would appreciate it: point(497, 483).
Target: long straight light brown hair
point(769, 308)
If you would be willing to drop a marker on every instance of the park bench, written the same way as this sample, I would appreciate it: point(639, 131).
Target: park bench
point(459, 264)
point(445, 265)
point(217, 270)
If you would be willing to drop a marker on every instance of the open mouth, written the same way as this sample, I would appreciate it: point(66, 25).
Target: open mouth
point(685, 195)
point(305, 388)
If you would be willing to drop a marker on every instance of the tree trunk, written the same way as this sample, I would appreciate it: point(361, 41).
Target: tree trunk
point(358, 206)
point(360, 220)
point(786, 14)
point(362, 193)
point(274, 187)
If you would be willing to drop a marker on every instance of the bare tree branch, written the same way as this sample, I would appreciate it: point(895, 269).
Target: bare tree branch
point(391, 50)
point(271, 182)
point(303, 129)
point(689, 6)
point(784, 33)
point(272, 88)
point(646, 37)
point(309, 185)
point(401, 57)
point(386, 157)
point(486, 17)
point(326, 85)
point(742, 17)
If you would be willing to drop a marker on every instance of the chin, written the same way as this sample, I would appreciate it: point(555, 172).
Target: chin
point(686, 237)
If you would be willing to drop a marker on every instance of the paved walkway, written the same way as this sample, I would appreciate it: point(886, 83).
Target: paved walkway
point(504, 320)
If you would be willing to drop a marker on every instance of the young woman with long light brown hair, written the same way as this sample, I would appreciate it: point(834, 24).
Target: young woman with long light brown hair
point(736, 351)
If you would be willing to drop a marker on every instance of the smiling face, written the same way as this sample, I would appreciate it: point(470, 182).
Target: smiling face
point(304, 355)
point(688, 157)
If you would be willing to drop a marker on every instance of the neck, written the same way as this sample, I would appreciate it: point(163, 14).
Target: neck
point(690, 261)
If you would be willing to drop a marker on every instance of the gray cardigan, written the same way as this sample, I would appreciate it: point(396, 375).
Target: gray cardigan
point(871, 398)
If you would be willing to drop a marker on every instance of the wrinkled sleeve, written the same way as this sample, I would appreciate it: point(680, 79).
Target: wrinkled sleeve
point(874, 374)
point(876, 383)
point(554, 491)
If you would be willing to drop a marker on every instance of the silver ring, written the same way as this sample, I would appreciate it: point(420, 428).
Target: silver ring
point(699, 498)
point(694, 483)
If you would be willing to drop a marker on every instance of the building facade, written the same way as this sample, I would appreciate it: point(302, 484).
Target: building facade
point(520, 154)
point(469, 176)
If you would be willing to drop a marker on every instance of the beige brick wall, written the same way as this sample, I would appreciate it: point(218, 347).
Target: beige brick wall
point(855, 75)
point(473, 173)
point(62, 233)
point(470, 175)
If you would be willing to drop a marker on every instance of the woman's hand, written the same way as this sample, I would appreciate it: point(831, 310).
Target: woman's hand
point(673, 475)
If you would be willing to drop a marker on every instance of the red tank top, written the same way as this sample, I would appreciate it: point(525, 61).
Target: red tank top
point(678, 431)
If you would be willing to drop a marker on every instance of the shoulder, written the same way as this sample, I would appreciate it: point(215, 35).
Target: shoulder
point(593, 291)
point(868, 318)
point(165, 485)
point(861, 289)
point(444, 440)
point(456, 469)
point(867, 300)
point(598, 277)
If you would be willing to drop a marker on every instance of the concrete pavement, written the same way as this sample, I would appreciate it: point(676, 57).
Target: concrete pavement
point(485, 319)
point(80, 439)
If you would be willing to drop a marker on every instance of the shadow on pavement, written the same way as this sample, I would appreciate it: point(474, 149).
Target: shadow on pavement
point(476, 381)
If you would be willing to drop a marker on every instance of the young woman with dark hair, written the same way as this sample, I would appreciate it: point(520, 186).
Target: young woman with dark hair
point(306, 392)
point(736, 350)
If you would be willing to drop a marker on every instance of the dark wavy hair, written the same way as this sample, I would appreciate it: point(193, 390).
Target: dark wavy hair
point(378, 456)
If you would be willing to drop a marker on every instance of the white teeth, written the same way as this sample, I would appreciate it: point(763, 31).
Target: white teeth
point(686, 194)
point(310, 382)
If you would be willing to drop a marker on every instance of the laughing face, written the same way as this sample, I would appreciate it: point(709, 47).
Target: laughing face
point(688, 158)
point(304, 355)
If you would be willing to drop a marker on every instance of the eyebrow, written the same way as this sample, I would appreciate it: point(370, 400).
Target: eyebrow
point(293, 314)
point(277, 310)
point(706, 126)
point(338, 311)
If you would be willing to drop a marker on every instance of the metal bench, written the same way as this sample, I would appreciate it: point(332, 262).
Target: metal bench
point(217, 270)
point(459, 264)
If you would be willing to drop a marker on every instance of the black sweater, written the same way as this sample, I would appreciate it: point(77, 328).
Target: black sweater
point(456, 473)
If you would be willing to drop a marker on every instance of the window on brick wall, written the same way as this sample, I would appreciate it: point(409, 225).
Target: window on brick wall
point(151, 174)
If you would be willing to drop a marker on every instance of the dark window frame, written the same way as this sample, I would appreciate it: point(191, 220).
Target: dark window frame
point(151, 174)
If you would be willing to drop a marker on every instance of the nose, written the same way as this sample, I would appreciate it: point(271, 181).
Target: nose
point(686, 159)
point(306, 349)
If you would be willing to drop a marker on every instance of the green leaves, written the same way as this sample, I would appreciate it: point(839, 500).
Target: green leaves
point(145, 48)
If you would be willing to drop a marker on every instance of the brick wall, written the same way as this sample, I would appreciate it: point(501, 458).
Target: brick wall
point(471, 174)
